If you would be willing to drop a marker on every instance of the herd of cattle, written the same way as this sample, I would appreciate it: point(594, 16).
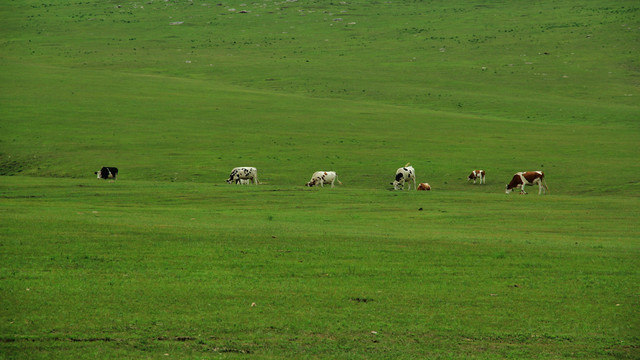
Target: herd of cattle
point(404, 175)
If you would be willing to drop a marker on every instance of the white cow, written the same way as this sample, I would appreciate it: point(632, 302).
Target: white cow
point(405, 175)
point(243, 173)
point(323, 177)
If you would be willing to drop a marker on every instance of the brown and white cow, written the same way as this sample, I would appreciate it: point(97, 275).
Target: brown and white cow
point(477, 175)
point(521, 179)
point(323, 177)
point(424, 187)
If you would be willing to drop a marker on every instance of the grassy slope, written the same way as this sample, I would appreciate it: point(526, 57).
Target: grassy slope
point(123, 75)
point(290, 87)
point(190, 130)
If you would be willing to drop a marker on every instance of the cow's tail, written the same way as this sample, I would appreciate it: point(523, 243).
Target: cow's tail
point(546, 188)
point(407, 164)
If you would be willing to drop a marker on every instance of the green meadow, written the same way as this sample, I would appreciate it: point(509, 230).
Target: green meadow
point(170, 261)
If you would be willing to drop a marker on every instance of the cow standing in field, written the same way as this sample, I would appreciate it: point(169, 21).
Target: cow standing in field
point(243, 173)
point(323, 177)
point(521, 179)
point(107, 173)
point(405, 175)
point(476, 175)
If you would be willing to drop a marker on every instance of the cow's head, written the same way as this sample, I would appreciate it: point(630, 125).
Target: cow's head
point(400, 178)
point(516, 182)
point(233, 177)
point(98, 173)
point(511, 186)
point(311, 183)
point(471, 176)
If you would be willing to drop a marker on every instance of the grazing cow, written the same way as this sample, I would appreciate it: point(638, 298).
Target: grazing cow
point(405, 174)
point(323, 177)
point(476, 174)
point(521, 179)
point(243, 173)
point(424, 187)
point(107, 173)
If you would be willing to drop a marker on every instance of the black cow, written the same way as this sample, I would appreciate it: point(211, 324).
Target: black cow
point(107, 173)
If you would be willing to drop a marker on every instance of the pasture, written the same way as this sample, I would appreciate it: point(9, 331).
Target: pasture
point(170, 261)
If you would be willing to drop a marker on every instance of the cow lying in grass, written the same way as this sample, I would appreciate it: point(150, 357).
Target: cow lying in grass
point(107, 173)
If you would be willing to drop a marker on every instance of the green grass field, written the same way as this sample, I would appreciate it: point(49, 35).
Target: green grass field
point(170, 261)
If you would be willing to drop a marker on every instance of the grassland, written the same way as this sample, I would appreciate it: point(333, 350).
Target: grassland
point(171, 262)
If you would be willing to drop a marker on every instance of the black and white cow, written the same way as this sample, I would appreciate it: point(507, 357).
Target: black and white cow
point(323, 177)
point(523, 178)
point(107, 173)
point(405, 175)
point(243, 173)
